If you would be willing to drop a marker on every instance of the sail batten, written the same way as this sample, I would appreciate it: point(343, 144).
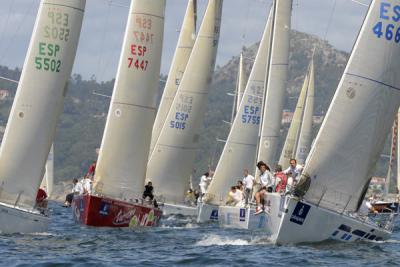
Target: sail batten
point(171, 162)
point(181, 57)
point(120, 171)
point(348, 145)
point(241, 146)
point(276, 83)
point(39, 101)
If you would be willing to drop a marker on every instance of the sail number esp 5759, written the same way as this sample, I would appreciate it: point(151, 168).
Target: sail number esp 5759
point(383, 28)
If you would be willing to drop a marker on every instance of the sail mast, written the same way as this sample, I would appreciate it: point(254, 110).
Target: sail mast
point(183, 50)
point(39, 100)
point(276, 83)
point(124, 151)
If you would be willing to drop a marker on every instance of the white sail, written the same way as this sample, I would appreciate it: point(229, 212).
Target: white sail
point(289, 148)
point(182, 53)
point(241, 82)
point(241, 146)
point(172, 160)
point(276, 83)
point(124, 151)
point(392, 156)
point(398, 154)
point(305, 136)
point(48, 179)
point(348, 145)
point(39, 100)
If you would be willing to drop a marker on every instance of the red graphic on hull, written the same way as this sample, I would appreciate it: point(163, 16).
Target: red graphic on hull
point(107, 212)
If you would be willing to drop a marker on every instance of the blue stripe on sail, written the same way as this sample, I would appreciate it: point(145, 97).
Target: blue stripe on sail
point(372, 80)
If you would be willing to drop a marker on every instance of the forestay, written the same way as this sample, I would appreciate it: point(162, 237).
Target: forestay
point(171, 162)
point(39, 100)
point(241, 146)
point(276, 83)
point(305, 137)
point(182, 53)
point(124, 151)
point(348, 146)
point(289, 148)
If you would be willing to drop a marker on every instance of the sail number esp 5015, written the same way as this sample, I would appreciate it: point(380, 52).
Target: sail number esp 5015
point(383, 28)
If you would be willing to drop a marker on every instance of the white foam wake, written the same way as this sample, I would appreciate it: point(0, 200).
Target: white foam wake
point(216, 240)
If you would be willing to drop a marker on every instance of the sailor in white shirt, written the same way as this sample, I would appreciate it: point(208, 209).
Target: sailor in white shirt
point(235, 197)
point(77, 188)
point(205, 180)
point(294, 170)
point(87, 185)
point(266, 177)
point(248, 182)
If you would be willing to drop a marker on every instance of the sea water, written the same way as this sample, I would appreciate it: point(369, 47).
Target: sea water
point(180, 242)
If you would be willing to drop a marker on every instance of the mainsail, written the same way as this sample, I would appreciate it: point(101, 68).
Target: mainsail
point(305, 137)
point(182, 53)
point(289, 148)
point(171, 161)
point(241, 146)
point(348, 145)
point(276, 83)
point(124, 151)
point(39, 100)
point(398, 154)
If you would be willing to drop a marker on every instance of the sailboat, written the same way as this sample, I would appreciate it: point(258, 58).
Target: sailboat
point(48, 179)
point(241, 145)
point(306, 130)
point(327, 200)
point(183, 50)
point(33, 119)
point(290, 146)
point(389, 202)
point(171, 162)
point(116, 200)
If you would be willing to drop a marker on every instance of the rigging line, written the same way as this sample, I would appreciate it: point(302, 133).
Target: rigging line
point(360, 3)
point(12, 41)
point(5, 24)
point(330, 19)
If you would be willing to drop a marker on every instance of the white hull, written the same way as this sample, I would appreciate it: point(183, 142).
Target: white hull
point(300, 222)
point(17, 220)
point(303, 222)
point(207, 213)
point(179, 209)
point(244, 218)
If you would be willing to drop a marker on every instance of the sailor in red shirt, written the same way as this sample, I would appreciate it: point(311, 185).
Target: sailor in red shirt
point(281, 179)
point(92, 170)
point(41, 197)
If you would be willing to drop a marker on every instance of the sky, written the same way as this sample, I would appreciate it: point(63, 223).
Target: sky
point(337, 21)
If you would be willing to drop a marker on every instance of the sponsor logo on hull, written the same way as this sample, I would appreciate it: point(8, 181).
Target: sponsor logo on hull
point(300, 213)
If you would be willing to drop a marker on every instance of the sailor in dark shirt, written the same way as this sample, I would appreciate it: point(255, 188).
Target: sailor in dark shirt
point(148, 191)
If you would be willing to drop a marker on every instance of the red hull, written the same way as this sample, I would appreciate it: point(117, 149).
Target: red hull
point(108, 212)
